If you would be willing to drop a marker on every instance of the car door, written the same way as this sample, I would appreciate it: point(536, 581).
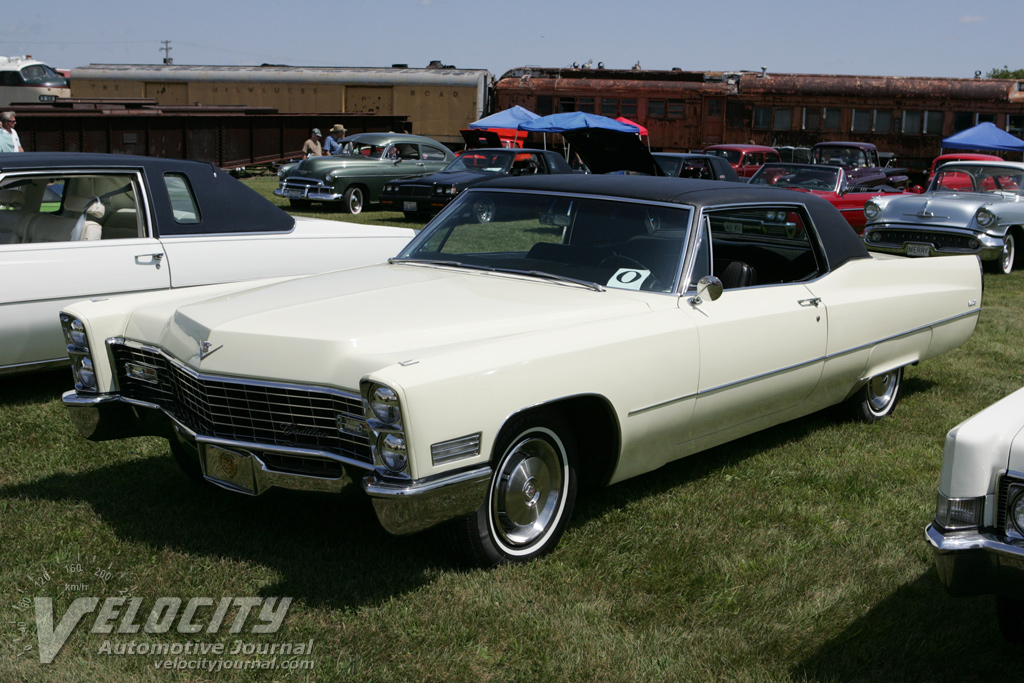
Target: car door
point(42, 269)
point(762, 343)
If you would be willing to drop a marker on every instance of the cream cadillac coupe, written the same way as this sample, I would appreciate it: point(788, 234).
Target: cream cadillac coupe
point(596, 328)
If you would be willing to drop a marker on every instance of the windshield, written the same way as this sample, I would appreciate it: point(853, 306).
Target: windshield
point(731, 154)
point(608, 242)
point(491, 161)
point(40, 74)
point(840, 156)
point(806, 178)
point(980, 178)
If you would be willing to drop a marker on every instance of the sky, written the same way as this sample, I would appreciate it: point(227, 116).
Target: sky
point(943, 38)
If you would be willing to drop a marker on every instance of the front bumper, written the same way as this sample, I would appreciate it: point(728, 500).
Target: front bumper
point(254, 468)
point(976, 562)
point(917, 242)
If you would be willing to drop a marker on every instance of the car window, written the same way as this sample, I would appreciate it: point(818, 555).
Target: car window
point(432, 153)
point(68, 207)
point(616, 244)
point(761, 245)
point(183, 201)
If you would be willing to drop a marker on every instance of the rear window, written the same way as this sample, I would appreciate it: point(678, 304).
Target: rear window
point(183, 201)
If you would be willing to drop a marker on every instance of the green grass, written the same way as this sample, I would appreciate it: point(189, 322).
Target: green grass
point(794, 554)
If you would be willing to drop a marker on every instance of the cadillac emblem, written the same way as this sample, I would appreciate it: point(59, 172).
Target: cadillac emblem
point(206, 348)
point(228, 464)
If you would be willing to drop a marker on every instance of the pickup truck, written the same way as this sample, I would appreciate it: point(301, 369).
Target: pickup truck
point(861, 162)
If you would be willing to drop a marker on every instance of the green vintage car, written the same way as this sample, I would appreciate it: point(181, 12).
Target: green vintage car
point(357, 175)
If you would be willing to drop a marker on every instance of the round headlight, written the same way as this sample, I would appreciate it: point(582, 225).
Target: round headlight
point(76, 332)
point(384, 404)
point(872, 211)
point(84, 371)
point(1017, 512)
point(974, 244)
point(393, 452)
point(985, 218)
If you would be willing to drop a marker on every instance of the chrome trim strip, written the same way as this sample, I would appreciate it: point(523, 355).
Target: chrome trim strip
point(827, 357)
point(271, 384)
point(283, 450)
point(35, 365)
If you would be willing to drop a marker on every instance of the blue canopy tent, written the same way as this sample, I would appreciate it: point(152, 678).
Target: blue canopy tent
point(575, 120)
point(509, 118)
point(984, 136)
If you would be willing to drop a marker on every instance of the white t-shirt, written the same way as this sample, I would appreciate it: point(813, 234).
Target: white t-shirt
point(9, 141)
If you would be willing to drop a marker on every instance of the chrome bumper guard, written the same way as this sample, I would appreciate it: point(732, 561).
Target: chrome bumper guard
point(411, 507)
point(977, 562)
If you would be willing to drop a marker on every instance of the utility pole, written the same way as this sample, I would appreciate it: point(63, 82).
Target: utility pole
point(166, 49)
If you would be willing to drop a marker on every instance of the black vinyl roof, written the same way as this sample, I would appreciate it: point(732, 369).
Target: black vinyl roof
point(840, 242)
point(225, 204)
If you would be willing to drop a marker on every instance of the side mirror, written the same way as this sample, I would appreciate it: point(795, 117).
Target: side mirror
point(709, 286)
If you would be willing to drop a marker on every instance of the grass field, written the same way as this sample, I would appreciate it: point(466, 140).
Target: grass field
point(794, 554)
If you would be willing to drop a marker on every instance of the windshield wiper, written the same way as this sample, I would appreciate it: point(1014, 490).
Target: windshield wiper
point(439, 262)
point(552, 276)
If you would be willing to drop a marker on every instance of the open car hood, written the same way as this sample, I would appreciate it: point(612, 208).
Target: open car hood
point(611, 151)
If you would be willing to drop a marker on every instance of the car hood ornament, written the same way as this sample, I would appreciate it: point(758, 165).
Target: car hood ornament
point(206, 348)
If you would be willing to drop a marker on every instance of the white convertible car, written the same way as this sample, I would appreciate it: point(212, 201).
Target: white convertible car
point(596, 328)
point(977, 535)
point(77, 226)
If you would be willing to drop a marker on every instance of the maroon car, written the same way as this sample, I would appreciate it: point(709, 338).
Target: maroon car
point(860, 161)
point(745, 159)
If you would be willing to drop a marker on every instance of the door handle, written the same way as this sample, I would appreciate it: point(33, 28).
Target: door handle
point(154, 259)
point(810, 302)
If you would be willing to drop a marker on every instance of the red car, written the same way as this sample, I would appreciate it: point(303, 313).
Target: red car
point(950, 183)
point(829, 182)
point(745, 159)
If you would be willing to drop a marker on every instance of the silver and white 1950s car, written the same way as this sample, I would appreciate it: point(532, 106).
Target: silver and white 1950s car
point(977, 535)
point(597, 327)
point(76, 226)
point(971, 207)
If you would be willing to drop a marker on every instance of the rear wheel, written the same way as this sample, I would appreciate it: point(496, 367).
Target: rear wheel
point(530, 498)
point(877, 398)
point(353, 200)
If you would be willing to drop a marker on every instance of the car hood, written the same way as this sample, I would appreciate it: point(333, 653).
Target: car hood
point(318, 166)
point(459, 177)
point(337, 327)
point(940, 208)
point(610, 151)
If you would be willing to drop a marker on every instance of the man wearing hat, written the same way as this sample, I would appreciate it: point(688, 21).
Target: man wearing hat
point(332, 145)
point(312, 147)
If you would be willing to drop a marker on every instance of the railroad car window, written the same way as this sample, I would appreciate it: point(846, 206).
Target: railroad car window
point(883, 122)
point(183, 201)
point(566, 104)
point(627, 108)
point(933, 122)
point(676, 109)
point(762, 117)
point(586, 104)
point(812, 118)
point(832, 118)
point(545, 105)
point(656, 109)
point(1015, 125)
point(609, 106)
point(783, 119)
point(715, 108)
point(861, 121)
point(962, 120)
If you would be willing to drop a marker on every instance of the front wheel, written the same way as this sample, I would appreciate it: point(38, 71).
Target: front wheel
point(530, 498)
point(877, 398)
point(1004, 264)
point(353, 200)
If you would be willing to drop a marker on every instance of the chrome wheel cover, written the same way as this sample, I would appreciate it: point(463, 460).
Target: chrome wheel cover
point(528, 492)
point(1006, 258)
point(484, 210)
point(882, 391)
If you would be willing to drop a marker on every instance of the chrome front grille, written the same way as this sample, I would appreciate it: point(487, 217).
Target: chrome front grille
point(302, 184)
point(256, 412)
point(939, 240)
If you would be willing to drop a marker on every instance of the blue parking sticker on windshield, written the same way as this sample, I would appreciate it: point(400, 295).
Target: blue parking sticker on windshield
point(628, 278)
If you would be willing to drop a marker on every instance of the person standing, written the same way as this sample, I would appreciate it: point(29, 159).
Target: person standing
point(312, 146)
point(332, 145)
point(9, 140)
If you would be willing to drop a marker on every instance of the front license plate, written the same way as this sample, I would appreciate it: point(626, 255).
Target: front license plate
point(294, 193)
point(409, 206)
point(918, 250)
point(230, 469)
